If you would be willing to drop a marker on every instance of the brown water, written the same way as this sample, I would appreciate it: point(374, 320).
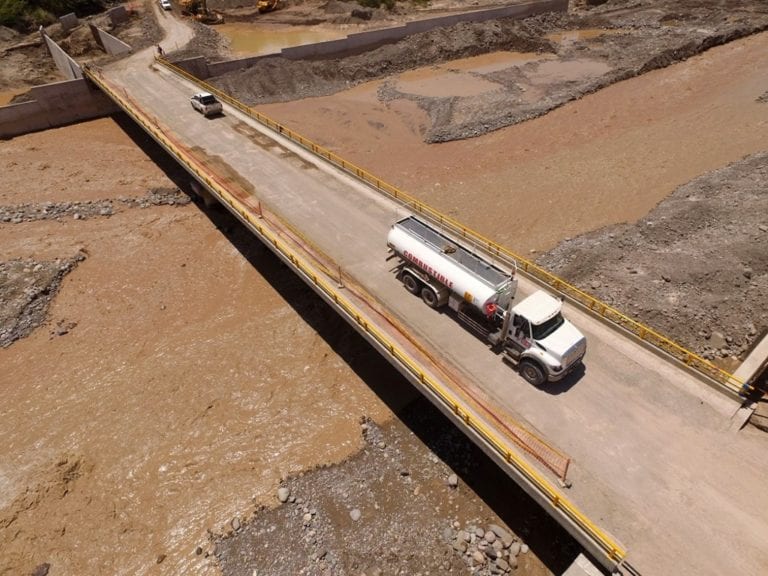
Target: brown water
point(572, 36)
point(439, 82)
point(567, 71)
point(7, 95)
point(496, 61)
point(246, 38)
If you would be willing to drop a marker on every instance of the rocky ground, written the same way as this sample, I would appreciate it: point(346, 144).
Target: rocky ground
point(697, 259)
point(396, 508)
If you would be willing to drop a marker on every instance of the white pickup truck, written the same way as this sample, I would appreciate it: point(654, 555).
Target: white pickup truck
point(206, 104)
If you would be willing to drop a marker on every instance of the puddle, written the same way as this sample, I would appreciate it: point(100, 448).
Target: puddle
point(572, 36)
point(439, 82)
point(495, 61)
point(567, 71)
point(248, 39)
point(7, 95)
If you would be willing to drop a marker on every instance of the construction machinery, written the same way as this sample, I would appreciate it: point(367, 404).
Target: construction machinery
point(266, 5)
point(198, 9)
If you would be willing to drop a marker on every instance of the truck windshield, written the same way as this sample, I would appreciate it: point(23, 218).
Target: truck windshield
point(543, 330)
point(207, 99)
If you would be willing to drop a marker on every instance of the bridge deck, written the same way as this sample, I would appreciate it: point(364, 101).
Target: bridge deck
point(653, 461)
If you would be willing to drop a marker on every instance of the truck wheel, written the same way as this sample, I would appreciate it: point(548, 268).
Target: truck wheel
point(429, 297)
point(411, 284)
point(532, 372)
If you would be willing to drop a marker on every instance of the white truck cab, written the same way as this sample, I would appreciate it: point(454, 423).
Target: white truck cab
point(544, 344)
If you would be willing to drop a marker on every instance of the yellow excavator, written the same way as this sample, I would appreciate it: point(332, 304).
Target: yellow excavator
point(198, 9)
point(266, 5)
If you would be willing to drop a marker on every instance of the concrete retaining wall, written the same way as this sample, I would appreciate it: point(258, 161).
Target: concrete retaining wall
point(363, 41)
point(68, 67)
point(109, 43)
point(55, 105)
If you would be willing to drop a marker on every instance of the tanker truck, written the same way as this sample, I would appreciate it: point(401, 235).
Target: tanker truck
point(531, 334)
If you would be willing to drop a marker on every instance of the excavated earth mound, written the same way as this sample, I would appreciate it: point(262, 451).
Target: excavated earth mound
point(673, 268)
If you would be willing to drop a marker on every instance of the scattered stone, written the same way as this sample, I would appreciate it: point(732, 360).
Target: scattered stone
point(478, 558)
point(460, 546)
point(515, 548)
point(235, 524)
point(41, 569)
point(160, 558)
point(524, 549)
point(355, 514)
point(490, 537)
point(283, 493)
point(453, 480)
point(717, 340)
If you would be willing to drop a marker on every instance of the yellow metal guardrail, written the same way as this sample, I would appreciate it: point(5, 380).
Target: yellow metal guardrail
point(611, 549)
point(612, 315)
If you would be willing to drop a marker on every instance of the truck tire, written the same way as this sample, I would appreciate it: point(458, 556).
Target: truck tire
point(532, 372)
point(429, 297)
point(411, 284)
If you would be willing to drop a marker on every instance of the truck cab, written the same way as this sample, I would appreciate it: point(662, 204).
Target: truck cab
point(541, 341)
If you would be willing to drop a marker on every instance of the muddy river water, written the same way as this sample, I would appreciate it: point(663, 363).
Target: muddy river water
point(247, 39)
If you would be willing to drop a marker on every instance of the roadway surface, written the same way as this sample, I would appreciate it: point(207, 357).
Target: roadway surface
point(653, 460)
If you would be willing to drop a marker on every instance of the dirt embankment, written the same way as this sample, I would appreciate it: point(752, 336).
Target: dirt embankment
point(26, 61)
point(695, 267)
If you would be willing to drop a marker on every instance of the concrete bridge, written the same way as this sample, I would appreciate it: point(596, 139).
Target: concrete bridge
point(641, 457)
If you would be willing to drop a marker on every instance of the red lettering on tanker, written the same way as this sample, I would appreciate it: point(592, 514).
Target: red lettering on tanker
point(428, 269)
